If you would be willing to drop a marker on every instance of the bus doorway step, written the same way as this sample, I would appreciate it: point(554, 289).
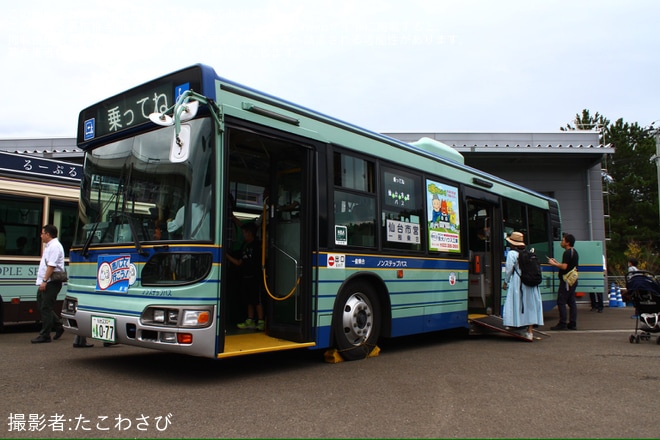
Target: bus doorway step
point(257, 342)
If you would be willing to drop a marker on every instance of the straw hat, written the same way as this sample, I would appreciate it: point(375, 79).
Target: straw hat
point(516, 239)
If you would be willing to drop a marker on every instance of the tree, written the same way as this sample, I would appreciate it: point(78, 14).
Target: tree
point(587, 122)
point(631, 185)
point(633, 192)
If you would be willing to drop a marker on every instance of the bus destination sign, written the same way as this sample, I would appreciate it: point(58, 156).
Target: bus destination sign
point(37, 167)
point(130, 109)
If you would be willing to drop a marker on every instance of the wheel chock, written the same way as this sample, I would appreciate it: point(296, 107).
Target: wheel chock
point(375, 352)
point(332, 356)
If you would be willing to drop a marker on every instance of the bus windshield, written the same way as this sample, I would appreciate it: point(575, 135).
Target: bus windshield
point(132, 192)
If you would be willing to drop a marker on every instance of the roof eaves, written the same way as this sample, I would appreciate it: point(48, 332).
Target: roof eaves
point(545, 148)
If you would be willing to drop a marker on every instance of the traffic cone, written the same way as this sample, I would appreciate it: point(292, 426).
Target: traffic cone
point(619, 299)
point(613, 302)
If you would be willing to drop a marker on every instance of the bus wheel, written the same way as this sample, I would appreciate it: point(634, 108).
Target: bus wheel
point(356, 321)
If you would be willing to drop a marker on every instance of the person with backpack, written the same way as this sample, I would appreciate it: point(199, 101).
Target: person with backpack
point(523, 306)
point(566, 293)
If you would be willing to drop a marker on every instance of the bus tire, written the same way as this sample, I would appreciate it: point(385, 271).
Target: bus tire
point(357, 319)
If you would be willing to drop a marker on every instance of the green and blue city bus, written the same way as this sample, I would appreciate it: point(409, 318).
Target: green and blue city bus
point(363, 236)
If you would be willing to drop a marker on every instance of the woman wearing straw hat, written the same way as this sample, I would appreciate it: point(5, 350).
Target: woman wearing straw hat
point(523, 306)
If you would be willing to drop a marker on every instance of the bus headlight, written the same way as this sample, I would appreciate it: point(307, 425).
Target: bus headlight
point(70, 305)
point(195, 318)
point(159, 316)
point(175, 317)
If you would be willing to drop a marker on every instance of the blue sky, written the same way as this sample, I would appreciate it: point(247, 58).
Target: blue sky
point(386, 65)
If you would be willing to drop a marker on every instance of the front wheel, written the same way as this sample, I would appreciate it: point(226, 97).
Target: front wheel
point(356, 322)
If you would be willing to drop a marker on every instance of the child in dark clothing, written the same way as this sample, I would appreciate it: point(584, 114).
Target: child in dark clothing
point(249, 264)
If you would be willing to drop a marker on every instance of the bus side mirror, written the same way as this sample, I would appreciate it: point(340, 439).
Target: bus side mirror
point(180, 148)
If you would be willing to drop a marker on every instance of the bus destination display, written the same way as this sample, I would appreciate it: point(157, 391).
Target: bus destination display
point(132, 108)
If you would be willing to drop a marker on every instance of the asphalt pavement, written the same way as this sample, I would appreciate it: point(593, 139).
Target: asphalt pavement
point(587, 383)
point(612, 318)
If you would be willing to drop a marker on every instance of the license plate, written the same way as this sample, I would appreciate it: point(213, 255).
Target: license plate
point(103, 328)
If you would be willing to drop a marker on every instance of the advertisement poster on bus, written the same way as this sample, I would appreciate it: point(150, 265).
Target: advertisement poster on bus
point(115, 273)
point(444, 219)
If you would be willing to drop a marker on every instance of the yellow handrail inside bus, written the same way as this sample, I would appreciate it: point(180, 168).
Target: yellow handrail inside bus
point(264, 218)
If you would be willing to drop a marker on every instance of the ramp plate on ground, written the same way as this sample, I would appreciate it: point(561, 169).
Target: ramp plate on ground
point(496, 324)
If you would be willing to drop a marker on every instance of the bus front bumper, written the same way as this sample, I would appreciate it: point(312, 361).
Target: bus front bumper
point(131, 330)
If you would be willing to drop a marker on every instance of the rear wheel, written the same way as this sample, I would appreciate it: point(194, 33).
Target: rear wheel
point(356, 322)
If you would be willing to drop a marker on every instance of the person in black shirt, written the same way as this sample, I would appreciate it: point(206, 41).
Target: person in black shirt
point(566, 293)
point(249, 263)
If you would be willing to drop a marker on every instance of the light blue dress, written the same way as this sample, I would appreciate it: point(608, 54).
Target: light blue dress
point(513, 314)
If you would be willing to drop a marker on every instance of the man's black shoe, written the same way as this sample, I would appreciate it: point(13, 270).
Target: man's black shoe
point(40, 339)
point(559, 327)
point(58, 333)
point(82, 345)
point(572, 327)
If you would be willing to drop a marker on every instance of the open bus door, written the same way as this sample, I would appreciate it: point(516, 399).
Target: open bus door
point(288, 256)
point(484, 293)
point(268, 182)
point(485, 252)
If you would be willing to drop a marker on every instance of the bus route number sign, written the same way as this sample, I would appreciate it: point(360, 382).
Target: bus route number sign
point(103, 328)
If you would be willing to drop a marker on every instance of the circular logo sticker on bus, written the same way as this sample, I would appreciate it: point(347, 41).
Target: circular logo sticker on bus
point(104, 275)
point(452, 278)
point(132, 274)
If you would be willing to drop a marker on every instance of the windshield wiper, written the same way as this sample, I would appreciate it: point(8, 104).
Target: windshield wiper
point(136, 240)
point(85, 250)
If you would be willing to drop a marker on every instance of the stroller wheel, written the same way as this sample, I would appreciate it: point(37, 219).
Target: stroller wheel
point(632, 339)
point(637, 339)
point(657, 340)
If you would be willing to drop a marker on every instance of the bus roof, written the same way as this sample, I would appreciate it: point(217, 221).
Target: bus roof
point(93, 130)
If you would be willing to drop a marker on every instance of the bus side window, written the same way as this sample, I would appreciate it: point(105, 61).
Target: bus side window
point(402, 209)
point(20, 226)
point(364, 219)
point(3, 240)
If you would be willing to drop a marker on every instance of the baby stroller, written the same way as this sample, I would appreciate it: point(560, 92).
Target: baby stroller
point(643, 289)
